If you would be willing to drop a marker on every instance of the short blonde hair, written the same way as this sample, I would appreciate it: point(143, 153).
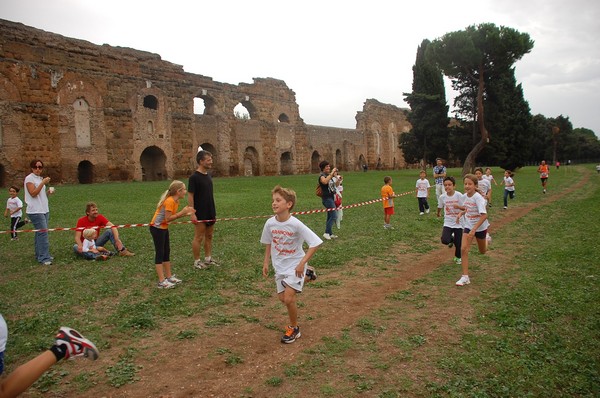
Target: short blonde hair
point(288, 194)
point(89, 233)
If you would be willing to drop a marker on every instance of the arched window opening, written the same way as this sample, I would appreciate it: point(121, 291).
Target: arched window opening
point(151, 102)
point(287, 163)
point(241, 112)
point(315, 159)
point(199, 106)
point(283, 118)
point(153, 161)
point(251, 162)
point(85, 172)
point(150, 127)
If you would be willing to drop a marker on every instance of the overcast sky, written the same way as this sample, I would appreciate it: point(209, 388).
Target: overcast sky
point(336, 54)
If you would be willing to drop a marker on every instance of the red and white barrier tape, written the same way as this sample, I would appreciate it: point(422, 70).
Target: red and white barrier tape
point(218, 219)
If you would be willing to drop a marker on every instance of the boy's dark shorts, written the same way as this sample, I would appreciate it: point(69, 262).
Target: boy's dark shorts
point(478, 235)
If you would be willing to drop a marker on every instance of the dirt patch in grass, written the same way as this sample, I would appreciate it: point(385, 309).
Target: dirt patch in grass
point(245, 358)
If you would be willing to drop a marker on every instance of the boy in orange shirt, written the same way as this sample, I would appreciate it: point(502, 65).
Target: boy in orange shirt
point(388, 195)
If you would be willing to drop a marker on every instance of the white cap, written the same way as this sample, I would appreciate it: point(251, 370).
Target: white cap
point(200, 148)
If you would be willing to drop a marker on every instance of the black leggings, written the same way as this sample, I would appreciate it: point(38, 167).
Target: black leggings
point(457, 240)
point(161, 245)
point(15, 223)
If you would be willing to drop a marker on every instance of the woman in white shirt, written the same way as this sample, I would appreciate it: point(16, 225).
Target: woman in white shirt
point(38, 210)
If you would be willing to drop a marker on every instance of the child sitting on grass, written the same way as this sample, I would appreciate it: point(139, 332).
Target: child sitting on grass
point(89, 250)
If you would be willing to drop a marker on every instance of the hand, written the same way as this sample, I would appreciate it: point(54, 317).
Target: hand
point(46, 181)
point(189, 210)
point(300, 270)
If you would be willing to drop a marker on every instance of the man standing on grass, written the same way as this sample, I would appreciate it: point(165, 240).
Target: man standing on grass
point(200, 197)
point(93, 219)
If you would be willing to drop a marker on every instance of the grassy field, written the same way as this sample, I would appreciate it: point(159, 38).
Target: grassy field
point(535, 329)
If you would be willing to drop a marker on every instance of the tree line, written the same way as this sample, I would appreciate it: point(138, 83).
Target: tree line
point(492, 124)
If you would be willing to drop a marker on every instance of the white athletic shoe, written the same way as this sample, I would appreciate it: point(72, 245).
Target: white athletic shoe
point(464, 280)
point(327, 236)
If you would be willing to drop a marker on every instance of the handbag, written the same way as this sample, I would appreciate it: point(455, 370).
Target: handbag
point(319, 191)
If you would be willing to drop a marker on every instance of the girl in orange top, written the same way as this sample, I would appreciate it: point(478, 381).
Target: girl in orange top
point(166, 211)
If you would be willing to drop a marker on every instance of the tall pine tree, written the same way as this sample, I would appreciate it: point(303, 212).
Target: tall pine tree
point(428, 138)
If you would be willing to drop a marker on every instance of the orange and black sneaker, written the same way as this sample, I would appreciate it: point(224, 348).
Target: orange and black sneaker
point(291, 334)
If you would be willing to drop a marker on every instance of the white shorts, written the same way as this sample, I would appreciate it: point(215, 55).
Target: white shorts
point(284, 280)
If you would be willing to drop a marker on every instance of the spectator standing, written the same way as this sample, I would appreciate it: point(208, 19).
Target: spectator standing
point(38, 210)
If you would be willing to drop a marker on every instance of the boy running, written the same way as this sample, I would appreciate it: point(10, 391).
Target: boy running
point(283, 236)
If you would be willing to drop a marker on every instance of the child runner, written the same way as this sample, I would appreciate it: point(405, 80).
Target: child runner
point(450, 201)
point(422, 192)
point(166, 211)
point(337, 198)
point(14, 207)
point(283, 236)
point(544, 173)
point(388, 195)
point(484, 186)
point(89, 249)
point(476, 224)
point(68, 343)
point(488, 176)
point(509, 187)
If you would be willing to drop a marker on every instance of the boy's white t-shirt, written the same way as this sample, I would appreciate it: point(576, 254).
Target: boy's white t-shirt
point(286, 240)
point(87, 245)
point(475, 206)
point(422, 187)
point(15, 203)
point(509, 181)
point(3, 334)
point(450, 213)
point(484, 185)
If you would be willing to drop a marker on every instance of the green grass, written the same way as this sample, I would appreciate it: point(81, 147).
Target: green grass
point(535, 331)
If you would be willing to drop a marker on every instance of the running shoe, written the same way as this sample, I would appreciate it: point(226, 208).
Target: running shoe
point(291, 334)
point(165, 284)
point(310, 273)
point(174, 279)
point(75, 343)
point(464, 280)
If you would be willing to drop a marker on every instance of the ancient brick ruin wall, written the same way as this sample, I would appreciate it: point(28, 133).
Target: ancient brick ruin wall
point(119, 114)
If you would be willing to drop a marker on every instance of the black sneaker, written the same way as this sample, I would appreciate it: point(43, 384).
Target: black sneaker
point(291, 334)
point(311, 274)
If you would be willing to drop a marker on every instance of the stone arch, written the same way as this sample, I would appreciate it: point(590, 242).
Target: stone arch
point(150, 102)
point(150, 127)
point(339, 163)
point(315, 159)
point(362, 163)
point(251, 165)
point(283, 118)
point(287, 163)
point(2, 176)
point(85, 172)
point(241, 112)
point(153, 161)
point(205, 104)
point(81, 115)
point(216, 170)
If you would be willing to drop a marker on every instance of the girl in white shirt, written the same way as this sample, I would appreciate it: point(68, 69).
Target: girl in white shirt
point(475, 223)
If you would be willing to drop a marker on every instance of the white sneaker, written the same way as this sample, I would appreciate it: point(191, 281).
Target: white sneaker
point(333, 236)
point(464, 280)
point(505, 207)
point(165, 285)
point(199, 264)
point(174, 280)
point(488, 238)
point(421, 213)
point(427, 211)
point(327, 236)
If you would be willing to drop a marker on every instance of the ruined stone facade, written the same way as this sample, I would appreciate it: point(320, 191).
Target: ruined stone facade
point(101, 113)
